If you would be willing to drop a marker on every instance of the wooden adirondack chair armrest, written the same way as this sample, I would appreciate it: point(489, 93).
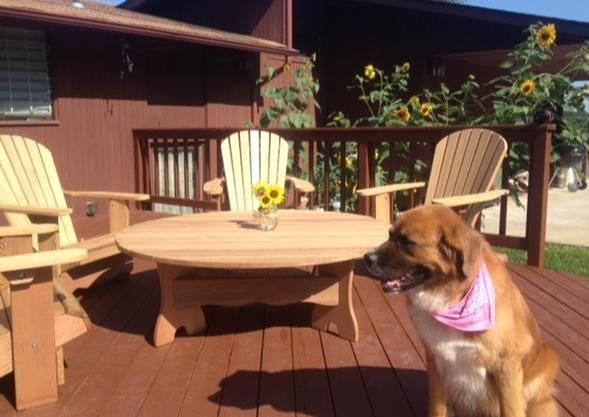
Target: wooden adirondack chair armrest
point(301, 185)
point(41, 259)
point(110, 195)
point(465, 200)
point(391, 188)
point(28, 230)
point(36, 211)
point(214, 187)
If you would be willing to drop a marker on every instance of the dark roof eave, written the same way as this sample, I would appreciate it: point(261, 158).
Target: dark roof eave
point(142, 31)
point(572, 27)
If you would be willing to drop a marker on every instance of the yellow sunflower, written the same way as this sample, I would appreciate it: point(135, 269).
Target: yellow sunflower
point(546, 35)
point(405, 67)
point(259, 189)
point(527, 87)
point(369, 72)
point(276, 194)
point(426, 109)
point(403, 114)
point(414, 101)
point(266, 202)
point(286, 67)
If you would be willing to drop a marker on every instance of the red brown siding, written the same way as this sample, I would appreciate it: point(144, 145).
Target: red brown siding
point(171, 85)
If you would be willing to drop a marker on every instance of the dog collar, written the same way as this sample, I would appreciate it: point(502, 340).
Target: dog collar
point(475, 312)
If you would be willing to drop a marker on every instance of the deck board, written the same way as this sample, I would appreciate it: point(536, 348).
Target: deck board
point(239, 394)
point(276, 395)
point(312, 391)
point(266, 361)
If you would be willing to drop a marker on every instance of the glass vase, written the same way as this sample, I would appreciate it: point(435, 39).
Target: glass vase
point(266, 220)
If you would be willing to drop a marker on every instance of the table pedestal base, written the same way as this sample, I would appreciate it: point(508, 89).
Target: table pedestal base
point(184, 291)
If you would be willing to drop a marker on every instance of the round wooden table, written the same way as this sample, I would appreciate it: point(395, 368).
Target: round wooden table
point(221, 258)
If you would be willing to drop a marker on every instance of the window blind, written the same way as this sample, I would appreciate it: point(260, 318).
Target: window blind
point(25, 88)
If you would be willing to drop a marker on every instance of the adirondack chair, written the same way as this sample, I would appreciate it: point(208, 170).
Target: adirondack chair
point(31, 192)
point(250, 156)
point(463, 169)
point(37, 314)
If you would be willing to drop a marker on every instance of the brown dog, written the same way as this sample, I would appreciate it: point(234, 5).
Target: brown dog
point(501, 368)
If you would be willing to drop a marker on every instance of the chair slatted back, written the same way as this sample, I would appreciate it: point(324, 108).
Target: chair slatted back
point(250, 156)
point(28, 177)
point(465, 162)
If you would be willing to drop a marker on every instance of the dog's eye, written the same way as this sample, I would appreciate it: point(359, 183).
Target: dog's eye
point(405, 241)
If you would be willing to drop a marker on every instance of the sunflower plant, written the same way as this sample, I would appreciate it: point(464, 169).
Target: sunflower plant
point(524, 91)
point(380, 93)
point(290, 106)
point(269, 196)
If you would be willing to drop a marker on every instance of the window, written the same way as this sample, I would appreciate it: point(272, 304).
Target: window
point(25, 91)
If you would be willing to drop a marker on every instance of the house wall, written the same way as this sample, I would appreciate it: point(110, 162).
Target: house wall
point(171, 85)
point(347, 36)
point(261, 18)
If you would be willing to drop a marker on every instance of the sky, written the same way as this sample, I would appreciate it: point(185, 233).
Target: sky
point(565, 9)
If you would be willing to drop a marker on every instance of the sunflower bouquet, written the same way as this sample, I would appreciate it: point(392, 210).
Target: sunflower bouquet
point(269, 197)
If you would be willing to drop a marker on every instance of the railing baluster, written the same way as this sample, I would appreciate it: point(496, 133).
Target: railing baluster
point(326, 169)
point(186, 172)
point(412, 159)
point(166, 171)
point(505, 185)
point(196, 170)
point(342, 177)
point(364, 178)
point(148, 170)
point(176, 168)
point(156, 165)
point(296, 160)
point(311, 163)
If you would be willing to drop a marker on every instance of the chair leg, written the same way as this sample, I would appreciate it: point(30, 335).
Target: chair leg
point(60, 366)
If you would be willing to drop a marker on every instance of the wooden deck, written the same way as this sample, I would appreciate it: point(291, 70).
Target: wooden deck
point(264, 361)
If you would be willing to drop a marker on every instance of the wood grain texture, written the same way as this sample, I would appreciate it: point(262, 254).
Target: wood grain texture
point(465, 163)
point(250, 156)
point(220, 372)
point(33, 341)
point(463, 200)
point(41, 259)
point(228, 240)
point(31, 181)
point(111, 195)
point(28, 230)
point(35, 211)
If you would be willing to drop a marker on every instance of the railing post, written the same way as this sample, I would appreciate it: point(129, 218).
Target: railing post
point(365, 175)
point(538, 196)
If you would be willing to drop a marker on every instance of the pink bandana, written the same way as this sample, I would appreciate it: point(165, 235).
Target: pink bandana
point(476, 311)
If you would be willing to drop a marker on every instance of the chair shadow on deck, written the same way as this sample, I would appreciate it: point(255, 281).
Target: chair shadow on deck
point(311, 386)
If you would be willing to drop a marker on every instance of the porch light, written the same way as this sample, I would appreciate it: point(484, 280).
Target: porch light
point(77, 4)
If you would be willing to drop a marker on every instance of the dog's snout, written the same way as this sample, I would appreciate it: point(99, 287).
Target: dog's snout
point(370, 258)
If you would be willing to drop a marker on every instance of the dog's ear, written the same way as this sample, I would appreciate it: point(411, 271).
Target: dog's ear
point(462, 247)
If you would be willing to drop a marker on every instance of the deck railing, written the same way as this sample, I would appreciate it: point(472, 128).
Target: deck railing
point(173, 164)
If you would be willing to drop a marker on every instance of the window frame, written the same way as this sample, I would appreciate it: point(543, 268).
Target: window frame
point(53, 120)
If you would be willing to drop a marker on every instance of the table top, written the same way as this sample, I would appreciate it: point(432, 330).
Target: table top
point(229, 240)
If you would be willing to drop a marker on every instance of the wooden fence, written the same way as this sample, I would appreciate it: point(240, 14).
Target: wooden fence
point(173, 164)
